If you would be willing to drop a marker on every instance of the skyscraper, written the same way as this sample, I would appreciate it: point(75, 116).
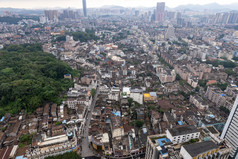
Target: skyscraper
point(51, 15)
point(84, 8)
point(159, 17)
point(230, 131)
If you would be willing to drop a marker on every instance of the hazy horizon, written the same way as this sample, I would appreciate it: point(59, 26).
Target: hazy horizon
point(44, 4)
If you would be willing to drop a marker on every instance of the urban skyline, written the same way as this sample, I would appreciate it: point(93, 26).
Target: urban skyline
point(38, 4)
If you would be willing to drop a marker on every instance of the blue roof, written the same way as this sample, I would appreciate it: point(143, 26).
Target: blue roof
point(20, 157)
point(180, 122)
point(67, 74)
point(2, 119)
point(211, 116)
point(153, 94)
point(162, 141)
point(223, 95)
point(64, 121)
point(70, 134)
point(118, 113)
point(144, 130)
point(163, 153)
point(108, 120)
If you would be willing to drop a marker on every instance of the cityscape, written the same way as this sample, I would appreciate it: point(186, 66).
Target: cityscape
point(119, 82)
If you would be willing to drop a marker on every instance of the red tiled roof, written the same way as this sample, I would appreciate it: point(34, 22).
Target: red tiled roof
point(5, 153)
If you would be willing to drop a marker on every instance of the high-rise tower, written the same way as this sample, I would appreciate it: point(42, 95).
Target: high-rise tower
point(159, 17)
point(230, 131)
point(84, 8)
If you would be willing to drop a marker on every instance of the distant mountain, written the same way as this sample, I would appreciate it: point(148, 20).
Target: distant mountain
point(212, 6)
point(22, 11)
point(112, 7)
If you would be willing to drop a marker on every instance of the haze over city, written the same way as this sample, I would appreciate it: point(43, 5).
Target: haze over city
point(39, 4)
point(118, 79)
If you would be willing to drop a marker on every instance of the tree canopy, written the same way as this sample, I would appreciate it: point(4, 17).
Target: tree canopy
point(93, 92)
point(84, 36)
point(30, 77)
point(226, 64)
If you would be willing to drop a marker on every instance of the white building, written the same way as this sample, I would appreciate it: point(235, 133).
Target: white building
point(114, 94)
point(137, 95)
point(126, 90)
point(182, 134)
point(230, 131)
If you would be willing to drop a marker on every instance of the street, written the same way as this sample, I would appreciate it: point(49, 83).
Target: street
point(86, 151)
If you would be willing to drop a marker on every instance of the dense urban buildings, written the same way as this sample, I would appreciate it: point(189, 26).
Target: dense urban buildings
point(116, 82)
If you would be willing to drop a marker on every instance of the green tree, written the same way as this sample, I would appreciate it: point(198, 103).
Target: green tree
point(230, 72)
point(197, 89)
point(139, 123)
point(225, 110)
point(84, 36)
point(60, 38)
point(222, 86)
point(58, 123)
point(93, 92)
point(130, 101)
point(26, 138)
point(30, 77)
point(202, 83)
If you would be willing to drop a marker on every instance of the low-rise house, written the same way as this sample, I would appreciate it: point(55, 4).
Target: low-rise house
point(150, 97)
point(46, 110)
point(216, 95)
point(2, 137)
point(13, 130)
point(33, 126)
point(140, 114)
point(155, 117)
point(198, 102)
point(54, 112)
point(57, 130)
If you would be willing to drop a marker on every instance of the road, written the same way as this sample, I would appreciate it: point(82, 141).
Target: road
point(86, 151)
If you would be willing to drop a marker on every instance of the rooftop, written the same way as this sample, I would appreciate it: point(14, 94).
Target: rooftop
point(201, 147)
point(181, 130)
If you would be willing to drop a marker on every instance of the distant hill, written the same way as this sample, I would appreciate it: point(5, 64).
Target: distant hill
point(22, 11)
point(112, 7)
point(212, 6)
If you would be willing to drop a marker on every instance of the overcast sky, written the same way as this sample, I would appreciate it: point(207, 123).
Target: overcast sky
point(98, 3)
